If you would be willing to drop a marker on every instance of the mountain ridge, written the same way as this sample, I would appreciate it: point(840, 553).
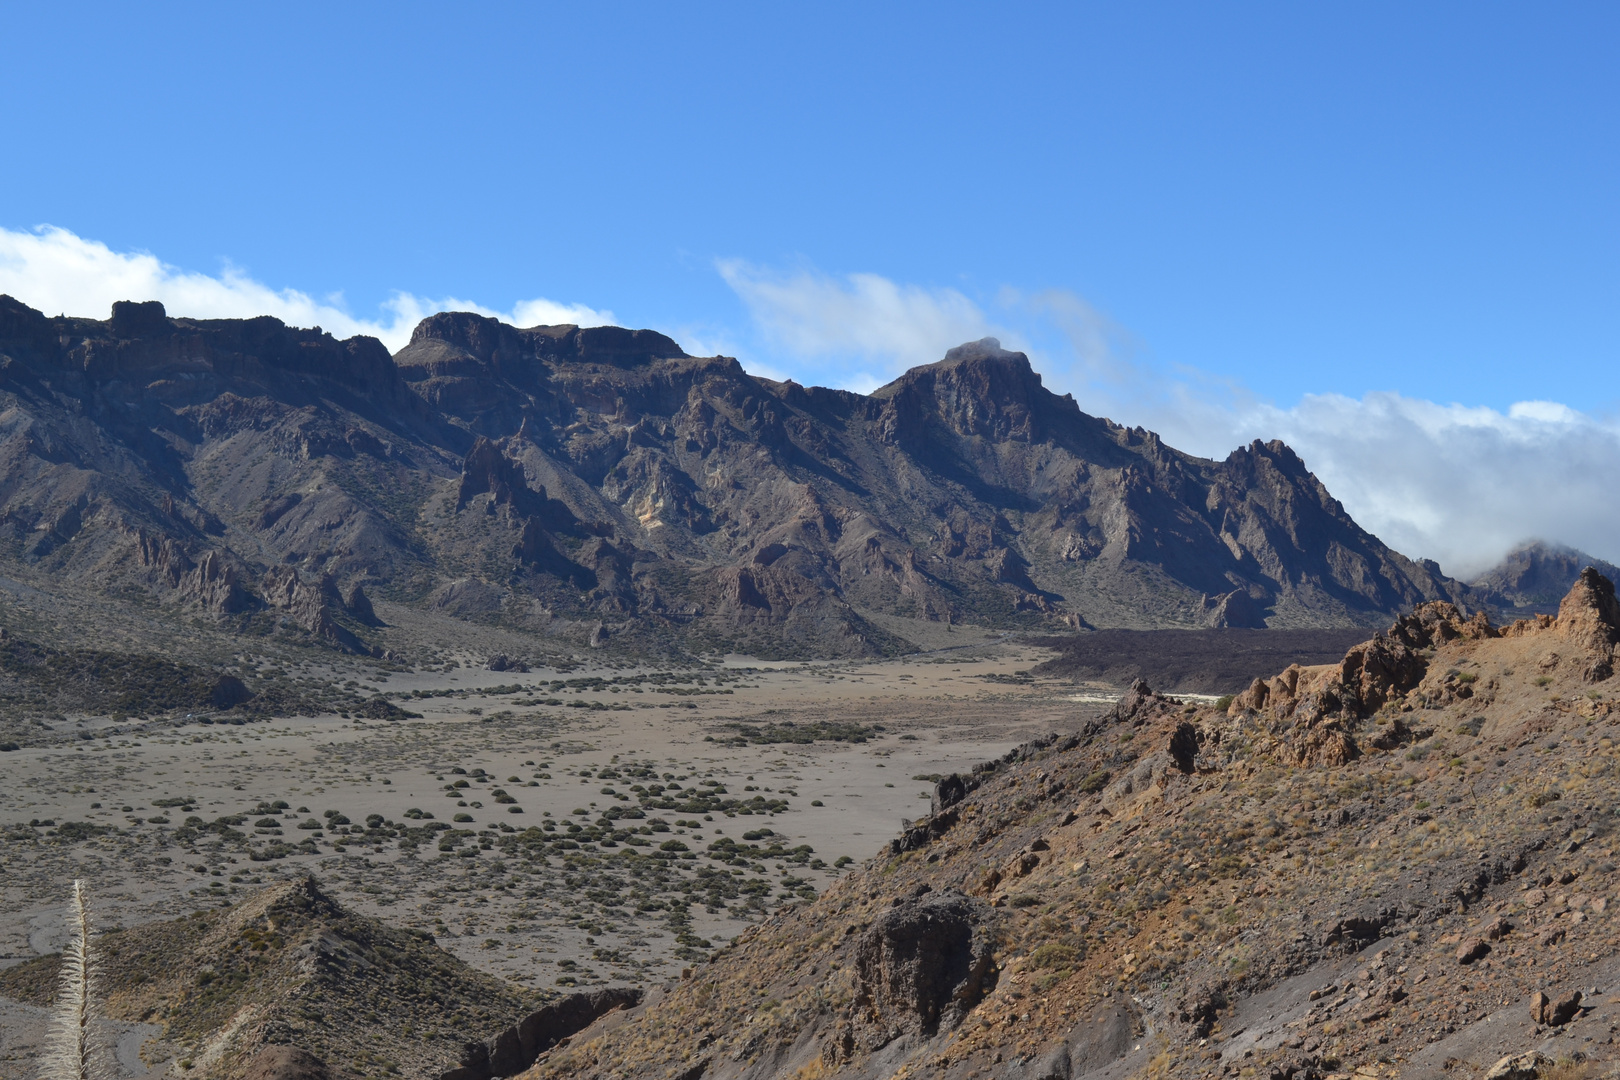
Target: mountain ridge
point(601, 478)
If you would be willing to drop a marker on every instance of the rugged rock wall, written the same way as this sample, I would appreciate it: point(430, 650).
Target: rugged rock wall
point(601, 474)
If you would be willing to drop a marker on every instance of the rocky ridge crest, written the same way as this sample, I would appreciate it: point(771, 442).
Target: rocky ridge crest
point(601, 483)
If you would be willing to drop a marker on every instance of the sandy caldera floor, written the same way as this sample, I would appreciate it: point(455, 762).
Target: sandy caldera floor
point(585, 916)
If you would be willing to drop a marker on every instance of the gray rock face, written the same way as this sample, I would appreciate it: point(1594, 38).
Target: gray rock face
point(246, 468)
point(924, 964)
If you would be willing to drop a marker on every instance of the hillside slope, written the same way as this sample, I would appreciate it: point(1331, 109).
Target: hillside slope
point(601, 484)
point(1372, 866)
point(289, 966)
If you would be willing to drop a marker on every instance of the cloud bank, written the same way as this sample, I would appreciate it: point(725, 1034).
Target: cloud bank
point(1458, 484)
point(861, 329)
point(1455, 483)
point(60, 273)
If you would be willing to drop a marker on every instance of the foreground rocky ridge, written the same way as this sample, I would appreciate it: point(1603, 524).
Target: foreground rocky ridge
point(289, 984)
point(602, 488)
point(1375, 865)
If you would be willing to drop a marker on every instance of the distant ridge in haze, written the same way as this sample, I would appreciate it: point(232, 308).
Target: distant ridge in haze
point(1534, 576)
point(600, 484)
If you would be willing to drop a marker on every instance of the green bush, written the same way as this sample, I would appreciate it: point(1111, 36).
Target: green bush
point(1054, 955)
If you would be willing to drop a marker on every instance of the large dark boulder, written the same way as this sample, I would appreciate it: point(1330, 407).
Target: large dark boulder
point(229, 692)
point(925, 964)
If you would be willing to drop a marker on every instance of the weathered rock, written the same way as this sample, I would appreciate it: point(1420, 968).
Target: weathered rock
point(1540, 1008)
point(511, 1051)
point(1201, 1006)
point(1472, 949)
point(1055, 1064)
point(229, 692)
point(1184, 744)
point(950, 791)
point(358, 605)
point(1432, 624)
point(1235, 609)
point(1378, 671)
point(1565, 1009)
point(309, 605)
point(1140, 704)
point(924, 964)
point(1525, 1066)
point(1589, 617)
point(1296, 1067)
point(924, 832)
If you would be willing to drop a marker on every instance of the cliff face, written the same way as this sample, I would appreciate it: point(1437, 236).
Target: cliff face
point(603, 474)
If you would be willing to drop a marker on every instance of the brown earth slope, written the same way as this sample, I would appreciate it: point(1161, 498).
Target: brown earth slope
point(290, 967)
point(1368, 866)
point(602, 486)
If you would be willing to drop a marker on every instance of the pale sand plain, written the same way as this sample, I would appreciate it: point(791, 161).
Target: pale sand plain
point(557, 922)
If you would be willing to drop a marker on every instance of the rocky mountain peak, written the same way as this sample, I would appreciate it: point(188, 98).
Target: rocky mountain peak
point(1535, 575)
point(978, 390)
point(476, 335)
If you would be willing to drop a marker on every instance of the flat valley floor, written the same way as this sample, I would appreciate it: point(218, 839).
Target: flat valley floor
point(572, 754)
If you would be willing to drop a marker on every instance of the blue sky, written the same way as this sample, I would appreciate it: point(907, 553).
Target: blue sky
point(1349, 225)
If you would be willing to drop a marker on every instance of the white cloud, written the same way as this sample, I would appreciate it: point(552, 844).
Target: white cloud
point(58, 272)
point(1454, 483)
point(858, 331)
